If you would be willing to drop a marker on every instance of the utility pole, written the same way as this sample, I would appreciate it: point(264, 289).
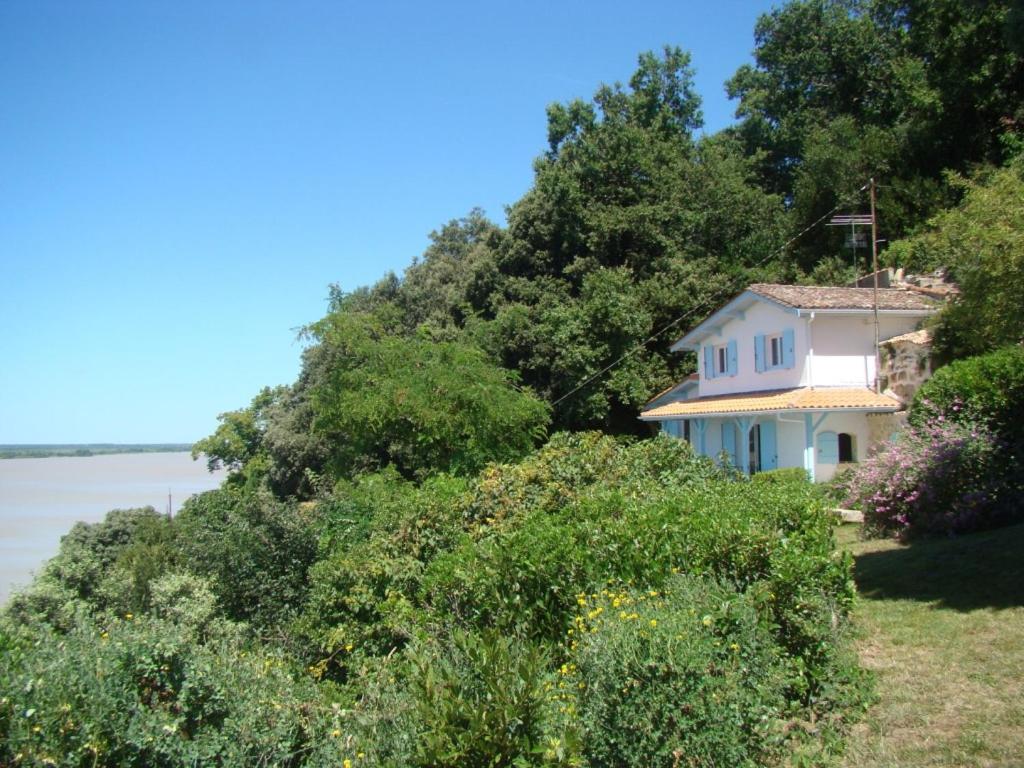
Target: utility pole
point(874, 268)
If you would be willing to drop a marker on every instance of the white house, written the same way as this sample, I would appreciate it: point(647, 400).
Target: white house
point(786, 376)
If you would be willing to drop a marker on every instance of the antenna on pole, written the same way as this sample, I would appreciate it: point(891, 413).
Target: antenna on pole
point(852, 220)
point(874, 268)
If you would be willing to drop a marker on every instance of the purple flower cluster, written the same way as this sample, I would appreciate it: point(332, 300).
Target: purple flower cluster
point(941, 477)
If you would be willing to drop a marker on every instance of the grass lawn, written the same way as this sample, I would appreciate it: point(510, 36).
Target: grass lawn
point(941, 624)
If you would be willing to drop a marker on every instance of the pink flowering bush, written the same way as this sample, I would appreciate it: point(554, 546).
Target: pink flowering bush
point(943, 476)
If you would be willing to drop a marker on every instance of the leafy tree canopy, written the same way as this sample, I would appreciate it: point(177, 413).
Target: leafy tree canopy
point(981, 243)
point(420, 405)
point(901, 89)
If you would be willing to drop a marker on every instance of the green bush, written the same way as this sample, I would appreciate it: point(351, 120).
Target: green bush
point(148, 692)
point(256, 552)
point(377, 533)
point(573, 465)
point(101, 567)
point(689, 676)
point(89, 551)
point(483, 700)
point(784, 476)
point(776, 537)
point(988, 388)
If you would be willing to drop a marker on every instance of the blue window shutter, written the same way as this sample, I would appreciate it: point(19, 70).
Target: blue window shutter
point(709, 361)
point(729, 442)
point(788, 349)
point(732, 362)
point(759, 353)
point(828, 448)
point(769, 449)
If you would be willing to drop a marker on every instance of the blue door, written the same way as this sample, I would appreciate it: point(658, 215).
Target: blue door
point(769, 446)
point(729, 442)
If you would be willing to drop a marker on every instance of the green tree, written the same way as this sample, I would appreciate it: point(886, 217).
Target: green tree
point(627, 209)
point(239, 438)
point(902, 90)
point(421, 405)
point(981, 242)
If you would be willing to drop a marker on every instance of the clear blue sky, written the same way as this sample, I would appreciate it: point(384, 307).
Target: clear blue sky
point(180, 181)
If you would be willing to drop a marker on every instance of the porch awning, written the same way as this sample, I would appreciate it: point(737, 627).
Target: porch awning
point(806, 399)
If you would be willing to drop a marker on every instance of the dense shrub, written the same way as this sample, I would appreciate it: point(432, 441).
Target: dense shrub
point(255, 550)
point(688, 676)
point(572, 465)
point(425, 623)
point(484, 700)
point(88, 551)
point(940, 477)
point(376, 535)
point(775, 537)
point(989, 388)
point(101, 567)
point(957, 468)
point(145, 691)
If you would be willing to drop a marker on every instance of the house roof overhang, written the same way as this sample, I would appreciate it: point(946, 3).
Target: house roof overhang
point(797, 400)
point(668, 394)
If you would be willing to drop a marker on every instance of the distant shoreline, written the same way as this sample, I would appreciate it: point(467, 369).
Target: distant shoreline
point(48, 450)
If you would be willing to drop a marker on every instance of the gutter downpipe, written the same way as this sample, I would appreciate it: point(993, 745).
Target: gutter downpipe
point(810, 350)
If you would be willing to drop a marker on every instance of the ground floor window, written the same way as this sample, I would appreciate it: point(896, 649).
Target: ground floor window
point(847, 448)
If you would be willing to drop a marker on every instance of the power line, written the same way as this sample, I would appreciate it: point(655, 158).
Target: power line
point(693, 310)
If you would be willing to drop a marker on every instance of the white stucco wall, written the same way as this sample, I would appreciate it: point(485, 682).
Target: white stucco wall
point(760, 318)
point(791, 441)
point(830, 350)
point(843, 347)
point(855, 424)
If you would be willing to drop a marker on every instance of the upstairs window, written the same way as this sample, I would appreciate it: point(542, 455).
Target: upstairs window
point(773, 346)
point(720, 360)
point(774, 351)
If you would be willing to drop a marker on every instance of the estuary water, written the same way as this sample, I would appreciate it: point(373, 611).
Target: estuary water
point(40, 499)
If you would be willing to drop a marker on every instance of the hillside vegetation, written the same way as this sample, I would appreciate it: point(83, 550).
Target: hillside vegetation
point(404, 569)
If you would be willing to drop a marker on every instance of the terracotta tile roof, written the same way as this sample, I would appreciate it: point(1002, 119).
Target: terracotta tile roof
point(818, 297)
point(799, 399)
point(914, 337)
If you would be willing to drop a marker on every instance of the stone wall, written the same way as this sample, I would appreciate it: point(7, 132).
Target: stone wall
point(883, 426)
point(905, 365)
